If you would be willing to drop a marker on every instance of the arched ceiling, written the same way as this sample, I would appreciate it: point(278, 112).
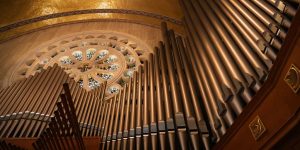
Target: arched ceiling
point(16, 51)
point(21, 16)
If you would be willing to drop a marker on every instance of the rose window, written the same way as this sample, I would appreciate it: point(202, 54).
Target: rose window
point(90, 59)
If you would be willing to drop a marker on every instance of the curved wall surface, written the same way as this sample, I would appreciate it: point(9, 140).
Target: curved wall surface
point(15, 51)
point(19, 17)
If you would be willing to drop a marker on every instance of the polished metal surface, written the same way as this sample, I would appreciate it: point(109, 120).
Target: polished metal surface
point(185, 95)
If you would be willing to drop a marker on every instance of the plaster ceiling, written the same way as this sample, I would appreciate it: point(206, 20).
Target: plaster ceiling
point(22, 16)
point(13, 11)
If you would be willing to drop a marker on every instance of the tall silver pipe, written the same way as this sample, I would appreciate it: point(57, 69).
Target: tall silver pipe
point(171, 74)
point(275, 42)
point(250, 68)
point(38, 106)
point(274, 13)
point(177, 104)
point(262, 39)
point(192, 89)
point(111, 123)
point(106, 125)
point(267, 20)
point(225, 56)
point(121, 124)
point(159, 101)
point(116, 124)
point(102, 119)
point(210, 83)
point(266, 32)
point(166, 97)
point(259, 48)
point(133, 113)
point(153, 105)
point(283, 7)
point(127, 115)
point(22, 106)
point(83, 117)
point(189, 112)
point(209, 51)
point(145, 108)
point(206, 91)
point(139, 111)
point(101, 108)
point(258, 65)
point(214, 103)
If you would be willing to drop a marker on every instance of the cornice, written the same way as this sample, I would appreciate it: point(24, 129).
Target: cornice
point(75, 22)
point(89, 11)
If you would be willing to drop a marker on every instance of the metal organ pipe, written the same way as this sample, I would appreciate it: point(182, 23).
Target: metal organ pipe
point(133, 113)
point(223, 86)
point(146, 130)
point(226, 58)
point(178, 113)
point(254, 60)
point(245, 67)
point(284, 7)
point(273, 13)
point(209, 100)
point(264, 18)
point(239, 61)
point(259, 48)
point(111, 123)
point(153, 111)
point(266, 32)
point(195, 100)
point(115, 130)
point(159, 101)
point(121, 125)
point(261, 37)
point(185, 96)
point(138, 131)
point(167, 99)
point(35, 107)
point(189, 113)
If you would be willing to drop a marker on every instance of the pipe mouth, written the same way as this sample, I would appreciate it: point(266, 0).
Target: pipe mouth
point(256, 87)
point(247, 95)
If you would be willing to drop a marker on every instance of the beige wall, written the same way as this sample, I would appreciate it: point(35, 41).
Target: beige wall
point(150, 12)
point(14, 50)
point(16, 10)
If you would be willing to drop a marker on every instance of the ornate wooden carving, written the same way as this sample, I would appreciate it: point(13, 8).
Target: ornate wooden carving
point(257, 128)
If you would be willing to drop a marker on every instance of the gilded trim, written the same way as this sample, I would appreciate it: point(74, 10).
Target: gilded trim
point(89, 11)
point(75, 22)
point(257, 128)
point(292, 78)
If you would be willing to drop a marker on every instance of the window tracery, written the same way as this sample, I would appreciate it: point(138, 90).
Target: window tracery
point(90, 59)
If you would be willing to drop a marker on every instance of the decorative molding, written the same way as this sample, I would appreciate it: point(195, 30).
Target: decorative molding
point(89, 11)
point(257, 128)
point(75, 22)
point(292, 78)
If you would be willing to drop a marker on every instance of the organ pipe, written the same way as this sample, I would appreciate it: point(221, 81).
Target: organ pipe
point(186, 95)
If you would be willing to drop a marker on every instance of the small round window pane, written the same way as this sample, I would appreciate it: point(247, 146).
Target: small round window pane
point(77, 55)
point(113, 90)
point(66, 60)
point(90, 52)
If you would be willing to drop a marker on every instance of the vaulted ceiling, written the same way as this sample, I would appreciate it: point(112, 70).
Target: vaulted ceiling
point(25, 15)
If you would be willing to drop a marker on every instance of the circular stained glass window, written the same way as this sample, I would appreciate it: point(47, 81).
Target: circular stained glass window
point(90, 59)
